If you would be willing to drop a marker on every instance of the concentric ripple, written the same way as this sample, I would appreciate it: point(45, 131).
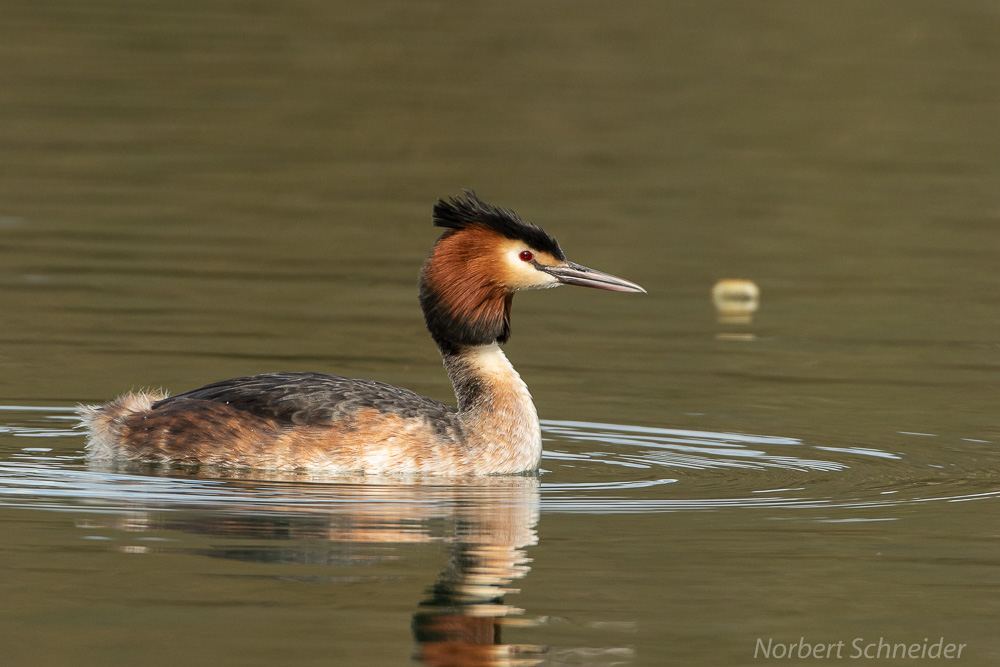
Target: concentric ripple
point(711, 470)
point(587, 468)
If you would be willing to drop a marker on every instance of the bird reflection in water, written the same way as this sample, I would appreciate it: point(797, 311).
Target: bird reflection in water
point(459, 623)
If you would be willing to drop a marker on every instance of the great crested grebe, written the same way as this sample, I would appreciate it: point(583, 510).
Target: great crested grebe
point(313, 421)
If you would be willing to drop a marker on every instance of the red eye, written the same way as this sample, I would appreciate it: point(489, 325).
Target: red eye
point(526, 256)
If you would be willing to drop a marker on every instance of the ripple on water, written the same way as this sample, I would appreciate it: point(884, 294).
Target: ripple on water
point(587, 468)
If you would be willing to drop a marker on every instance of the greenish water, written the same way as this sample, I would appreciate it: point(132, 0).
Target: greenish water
point(191, 191)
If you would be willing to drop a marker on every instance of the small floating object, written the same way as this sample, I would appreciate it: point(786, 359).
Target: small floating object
point(736, 300)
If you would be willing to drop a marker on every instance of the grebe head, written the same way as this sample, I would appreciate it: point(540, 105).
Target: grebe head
point(485, 255)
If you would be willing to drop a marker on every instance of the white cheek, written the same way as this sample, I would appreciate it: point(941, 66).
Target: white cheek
point(524, 275)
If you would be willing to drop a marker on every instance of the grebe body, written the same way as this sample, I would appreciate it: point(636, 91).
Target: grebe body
point(313, 421)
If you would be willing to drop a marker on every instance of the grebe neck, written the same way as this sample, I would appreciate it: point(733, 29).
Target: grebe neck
point(495, 410)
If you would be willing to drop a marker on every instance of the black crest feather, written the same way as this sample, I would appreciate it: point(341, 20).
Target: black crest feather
point(460, 212)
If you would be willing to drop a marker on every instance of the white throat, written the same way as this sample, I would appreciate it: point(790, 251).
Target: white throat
point(496, 410)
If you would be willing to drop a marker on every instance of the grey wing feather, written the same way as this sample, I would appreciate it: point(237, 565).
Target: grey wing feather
point(315, 398)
